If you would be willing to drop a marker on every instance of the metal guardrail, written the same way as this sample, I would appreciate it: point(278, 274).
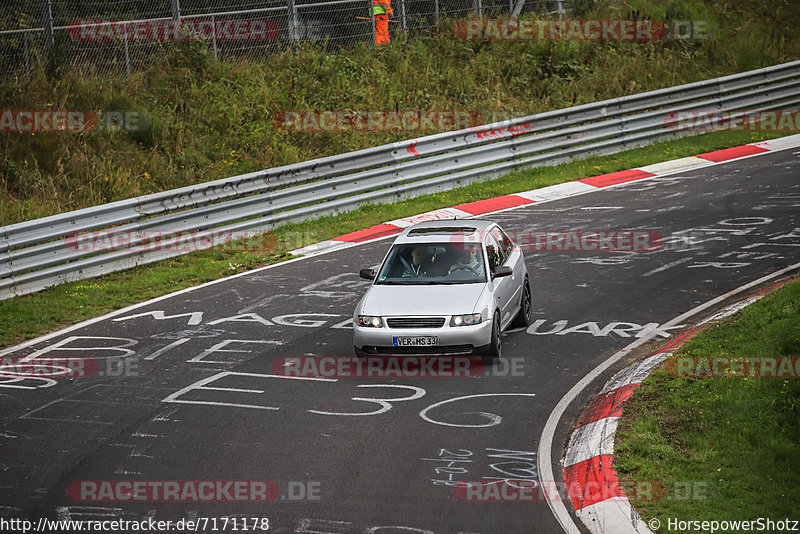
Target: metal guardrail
point(40, 253)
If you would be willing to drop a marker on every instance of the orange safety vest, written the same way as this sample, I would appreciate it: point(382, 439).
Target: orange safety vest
point(379, 7)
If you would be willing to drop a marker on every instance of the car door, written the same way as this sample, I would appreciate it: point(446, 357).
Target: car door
point(503, 286)
point(514, 259)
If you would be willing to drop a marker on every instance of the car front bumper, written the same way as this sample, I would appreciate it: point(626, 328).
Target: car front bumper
point(451, 339)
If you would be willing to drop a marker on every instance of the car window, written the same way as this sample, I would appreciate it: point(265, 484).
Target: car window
point(506, 245)
point(433, 263)
point(493, 252)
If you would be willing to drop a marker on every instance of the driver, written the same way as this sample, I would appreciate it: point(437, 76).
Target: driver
point(468, 259)
point(420, 258)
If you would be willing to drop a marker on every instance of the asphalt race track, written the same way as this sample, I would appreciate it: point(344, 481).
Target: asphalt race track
point(200, 400)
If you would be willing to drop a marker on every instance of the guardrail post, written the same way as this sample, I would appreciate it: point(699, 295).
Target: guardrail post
point(47, 22)
point(176, 9)
point(294, 35)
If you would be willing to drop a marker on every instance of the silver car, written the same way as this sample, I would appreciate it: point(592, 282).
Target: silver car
point(444, 287)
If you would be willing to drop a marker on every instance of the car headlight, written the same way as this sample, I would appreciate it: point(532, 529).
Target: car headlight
point(370, 320)
point(466, 320)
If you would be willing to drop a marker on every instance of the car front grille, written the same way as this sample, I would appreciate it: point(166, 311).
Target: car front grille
point(415, 322)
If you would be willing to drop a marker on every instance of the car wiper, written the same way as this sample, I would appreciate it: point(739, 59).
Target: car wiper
point(415, 282)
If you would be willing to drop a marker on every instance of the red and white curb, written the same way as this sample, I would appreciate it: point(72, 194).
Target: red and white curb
point(589, 458)
point(553, 192)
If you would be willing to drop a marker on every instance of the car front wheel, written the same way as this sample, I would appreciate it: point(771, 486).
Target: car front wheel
point(495, 346)
point(523, 318)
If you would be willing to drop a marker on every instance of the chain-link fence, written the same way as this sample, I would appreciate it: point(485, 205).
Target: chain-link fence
point(125, 35)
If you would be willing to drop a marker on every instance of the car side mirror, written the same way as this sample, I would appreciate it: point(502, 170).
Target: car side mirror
point(502, 270)
point(367, 274)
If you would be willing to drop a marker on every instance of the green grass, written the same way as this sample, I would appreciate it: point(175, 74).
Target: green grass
point(31, 315)
point(211, 119)
point(736, 439)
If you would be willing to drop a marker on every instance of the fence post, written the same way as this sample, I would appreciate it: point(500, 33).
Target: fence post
point(27, 54)
point(292, 22)
point(214, 35)
point(372, 20)
point(127, 52)
point(47, 22)
point(479, 8)
point(176, 9)
point(403, 14)
point(436, 12)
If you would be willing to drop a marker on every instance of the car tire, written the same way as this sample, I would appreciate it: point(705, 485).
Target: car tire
point(525, 315)
point(495, 345)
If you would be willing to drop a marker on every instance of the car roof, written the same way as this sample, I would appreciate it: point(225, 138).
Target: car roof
point(426, 232)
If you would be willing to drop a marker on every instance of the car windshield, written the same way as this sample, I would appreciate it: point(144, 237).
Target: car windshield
point(433, 263)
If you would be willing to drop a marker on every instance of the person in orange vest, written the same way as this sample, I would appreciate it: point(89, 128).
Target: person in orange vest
point(381, 9)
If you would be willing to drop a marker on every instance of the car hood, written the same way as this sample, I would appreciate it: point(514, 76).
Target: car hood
point(412, 300)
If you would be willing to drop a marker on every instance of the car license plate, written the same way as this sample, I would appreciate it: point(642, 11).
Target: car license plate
point(416, 341)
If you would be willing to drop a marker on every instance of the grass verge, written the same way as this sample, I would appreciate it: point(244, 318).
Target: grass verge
point(32, 315)
point(727, 448)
